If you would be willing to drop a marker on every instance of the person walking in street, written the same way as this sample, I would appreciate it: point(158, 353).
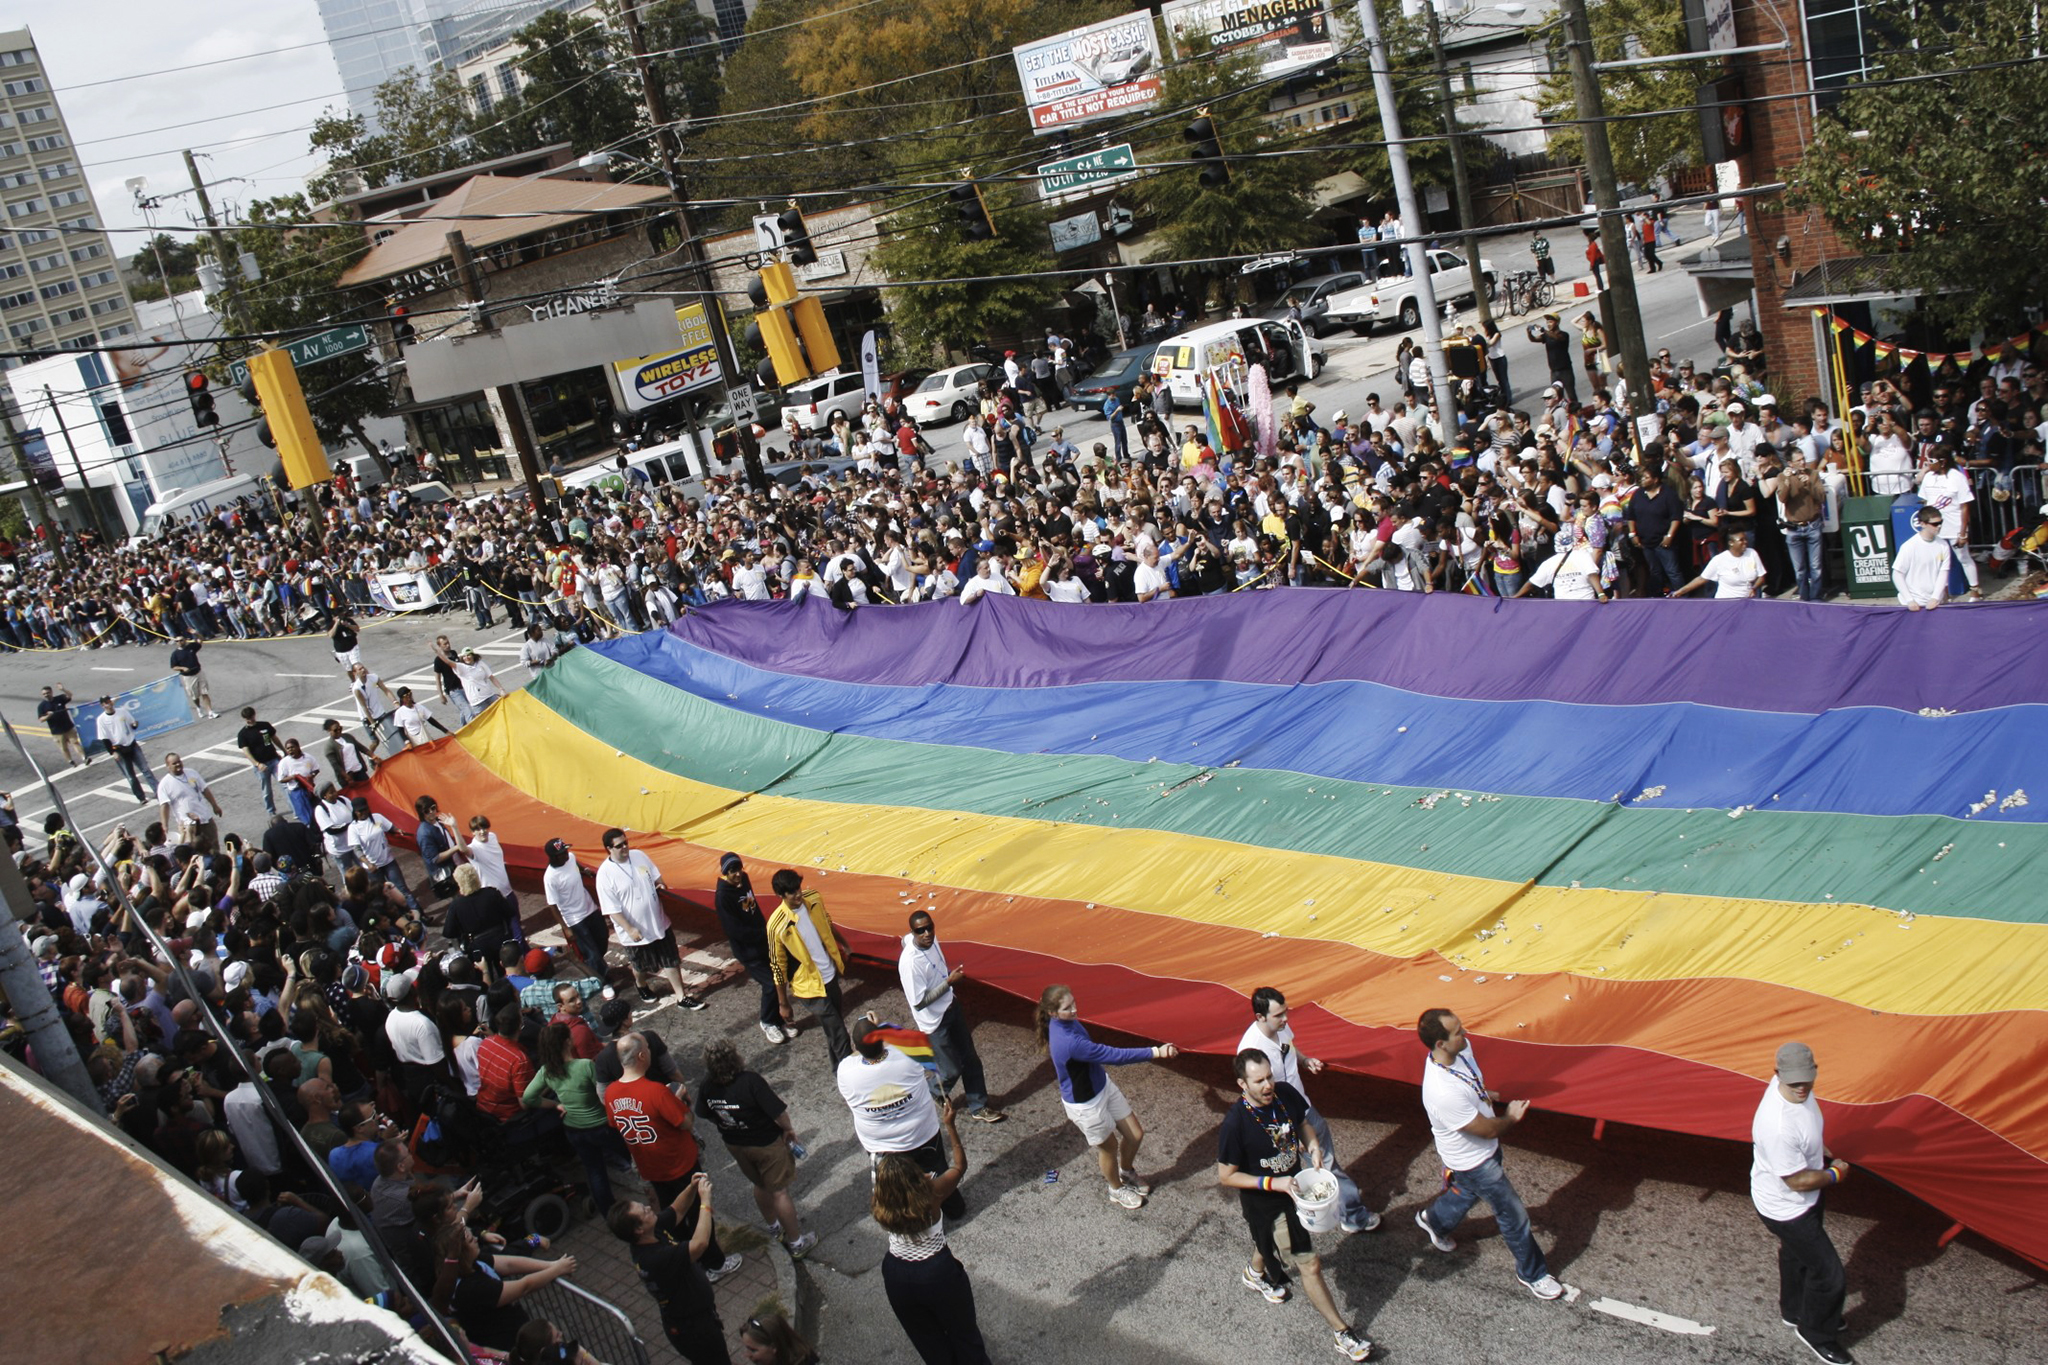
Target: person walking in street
point(300, 777)
point(183, 799)
point(670, 1267)
point(655, 1122)
point(746, 933)
point(928, 987)
point(1789, 1175)
point(755, 1126)
point(582, 924)
point(808, 959)
point(350, 762)
point(345, 639)
point(1271, 1035)
point(927, 1286)
point(374, 703)
point(1093, 1101)
point(629, 888)
point(117, 731)
point(185, 663)
point(1468, 1132)
point(1266, 1140)
point(54, 710)
point(1497, 358)
point(1119, 435)
point(887, 1092)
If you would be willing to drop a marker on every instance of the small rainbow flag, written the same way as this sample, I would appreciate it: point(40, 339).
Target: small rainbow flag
point(909, 1042)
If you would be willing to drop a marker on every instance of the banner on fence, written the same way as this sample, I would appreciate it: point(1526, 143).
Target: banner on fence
point(160, 707)
point(403, 591)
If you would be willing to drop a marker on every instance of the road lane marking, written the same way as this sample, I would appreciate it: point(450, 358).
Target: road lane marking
point(1650, 1317)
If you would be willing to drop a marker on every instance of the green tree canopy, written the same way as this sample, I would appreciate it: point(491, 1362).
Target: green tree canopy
point(1945, 168)
point(1644, 148)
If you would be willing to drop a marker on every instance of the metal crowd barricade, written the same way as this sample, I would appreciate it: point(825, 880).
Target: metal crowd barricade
point(600, 1327)
point(1992, 518)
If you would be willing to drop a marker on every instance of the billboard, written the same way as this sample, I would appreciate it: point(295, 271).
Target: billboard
point(1280, 35)
point(1089, 73)
point(653, 379)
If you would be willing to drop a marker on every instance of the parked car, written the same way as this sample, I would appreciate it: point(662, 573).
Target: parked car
point(1315, 293)
point(1393, 296)
point(1120, 371)
point(947, 395)
point(902, 383)
point(812, 403)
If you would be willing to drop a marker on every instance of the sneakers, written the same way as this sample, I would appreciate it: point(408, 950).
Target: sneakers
point(801, 1246)
point(775, 1229)
point(1131, 1182)
point(732, 1263)
point(1275, 1293)
point(987, 1115)
point(1369, 1223)
point(1830, 1351)
point(1124, 1196)
point(1436, 1239)
point(1350, 1345)
point(691, 1002)
point(774, 1034)
point(1545, 1288)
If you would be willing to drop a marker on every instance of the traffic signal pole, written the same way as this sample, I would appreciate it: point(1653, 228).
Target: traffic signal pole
point(1411, 219)
point(92, 513)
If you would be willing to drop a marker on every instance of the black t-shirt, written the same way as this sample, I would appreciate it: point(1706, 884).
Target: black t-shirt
point(671, 1275)
point(1654, 513)
point(185, 659)
point(259, 741)
point(740, 913)
point(745, 1110)
point(344, 637)
point(57, 711)
point(605, 1067)
point(1268, 1141)
point(488, 1322)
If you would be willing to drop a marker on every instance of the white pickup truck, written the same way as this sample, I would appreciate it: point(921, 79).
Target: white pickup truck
point(1392, 296)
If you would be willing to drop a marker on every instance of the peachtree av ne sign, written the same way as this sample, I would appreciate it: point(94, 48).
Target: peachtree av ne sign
point(1077, 175)
point(343, 340)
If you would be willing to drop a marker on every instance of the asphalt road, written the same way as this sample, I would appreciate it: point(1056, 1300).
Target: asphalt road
point(1636, 1220)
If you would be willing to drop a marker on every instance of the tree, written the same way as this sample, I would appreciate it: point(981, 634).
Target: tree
point(579, 86)
point(300, 291)
point(682, 45)
point(1644, 148)
point(165, 266)
point(1415, 100)
point(1265, 204)
point(1941, 170)
point(427, 124)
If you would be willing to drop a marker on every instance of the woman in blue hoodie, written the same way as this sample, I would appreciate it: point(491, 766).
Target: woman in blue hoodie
point(1092, 1099)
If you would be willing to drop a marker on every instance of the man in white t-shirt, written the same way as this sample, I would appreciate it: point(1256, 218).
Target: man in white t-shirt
point(1467, 1133)
point(562, 885)
point(1920, 571)
point(629, 888)
point(1788, 1173)
point(183, 801)
point(890, 1097)
point(1270, 1033)
point(1947, 490)
point(1736, 571)
point(928, 983)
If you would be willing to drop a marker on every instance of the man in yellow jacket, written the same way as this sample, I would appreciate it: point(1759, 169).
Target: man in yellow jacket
point(807, 958)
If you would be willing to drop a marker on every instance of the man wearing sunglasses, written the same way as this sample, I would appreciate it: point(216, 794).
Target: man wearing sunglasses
point(629, 888)
point(1269, 1033)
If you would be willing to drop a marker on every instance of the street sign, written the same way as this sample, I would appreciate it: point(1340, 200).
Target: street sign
point(344, 340)
point(1073, 176)
point(767, 233)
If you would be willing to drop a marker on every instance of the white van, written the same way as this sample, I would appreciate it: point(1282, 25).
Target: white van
point(677, 459)
point(1284, 348)
point(187, 503)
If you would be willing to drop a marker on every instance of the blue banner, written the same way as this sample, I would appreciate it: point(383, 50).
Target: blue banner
point(160, 707)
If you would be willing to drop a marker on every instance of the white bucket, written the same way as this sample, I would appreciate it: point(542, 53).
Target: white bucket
point(1315, 1200)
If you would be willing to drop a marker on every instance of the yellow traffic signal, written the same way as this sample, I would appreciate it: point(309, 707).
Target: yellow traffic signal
point(291, 424)
point(772, 332)
point(820, 350)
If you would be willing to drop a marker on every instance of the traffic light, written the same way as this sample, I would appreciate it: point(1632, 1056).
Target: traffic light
point(796, 238)
point(401, 326)
point(972, 211)
point(255, 402)
point(202, 400)
point(288, 424)
point(1206, 151)
point(790, 326)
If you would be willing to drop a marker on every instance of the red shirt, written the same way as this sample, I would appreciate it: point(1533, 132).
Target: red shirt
point(582, 1040)
point(502, 1075)
point(655, 1125)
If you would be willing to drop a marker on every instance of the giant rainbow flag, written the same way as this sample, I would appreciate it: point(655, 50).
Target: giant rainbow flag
point(1635, 846)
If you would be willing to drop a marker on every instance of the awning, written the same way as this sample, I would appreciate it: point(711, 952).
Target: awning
point(1853, 279)
point(1340, 188)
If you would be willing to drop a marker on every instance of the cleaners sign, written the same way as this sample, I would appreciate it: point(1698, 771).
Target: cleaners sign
point(653, 379)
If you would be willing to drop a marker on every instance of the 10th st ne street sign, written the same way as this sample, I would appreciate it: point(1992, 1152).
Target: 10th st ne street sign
point(343, 340)
point(1073, 176)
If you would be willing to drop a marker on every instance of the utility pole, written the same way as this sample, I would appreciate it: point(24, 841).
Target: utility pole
point(679, 191)
point(84, 500)
point(1460, 180)
point(56, 1055)
point(1625, 315)
point(509, 395)
point(1411, 217)
point(229, 266)
point(35, 487)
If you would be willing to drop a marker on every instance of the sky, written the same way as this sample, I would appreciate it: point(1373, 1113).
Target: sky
point(138, 124)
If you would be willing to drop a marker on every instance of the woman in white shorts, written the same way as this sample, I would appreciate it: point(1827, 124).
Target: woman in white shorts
point(1092, 1099)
